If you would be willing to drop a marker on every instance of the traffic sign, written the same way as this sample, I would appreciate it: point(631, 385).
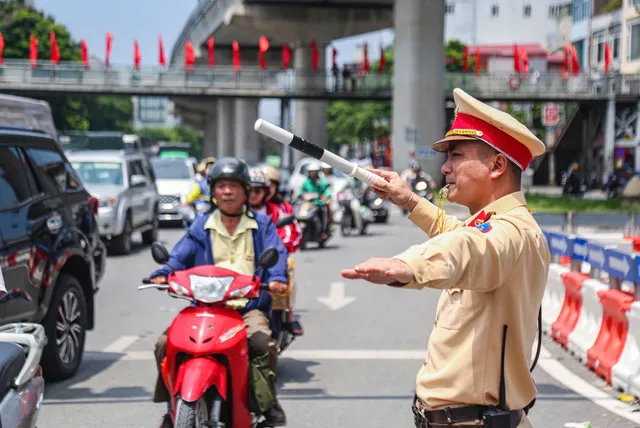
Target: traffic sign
point(559, 244)
point(619, 265)
point(595, 256)
point(579, 249)
point(637, 281)
point(550, 114)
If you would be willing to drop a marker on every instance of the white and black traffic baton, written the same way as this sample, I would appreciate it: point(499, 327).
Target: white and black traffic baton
point(288, 139)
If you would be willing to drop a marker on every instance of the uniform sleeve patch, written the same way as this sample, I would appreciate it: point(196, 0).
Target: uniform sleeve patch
point(484, 227)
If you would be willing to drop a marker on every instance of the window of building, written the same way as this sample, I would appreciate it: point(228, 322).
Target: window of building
point(495, 10)
point(615, 33)
point(450, 8)
point(527, 11)
point(553, 12)
point(581, 10)
point(634, 41)
point(597, 47)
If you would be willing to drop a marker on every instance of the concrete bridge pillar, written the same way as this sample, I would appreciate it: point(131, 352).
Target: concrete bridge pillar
point(225, 126)
point(210, 146)
point(418, 116)
point(609, 137)
point(310, 117)
point(246, 138)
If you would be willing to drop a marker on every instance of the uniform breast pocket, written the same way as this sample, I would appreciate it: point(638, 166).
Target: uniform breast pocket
point(450, 312)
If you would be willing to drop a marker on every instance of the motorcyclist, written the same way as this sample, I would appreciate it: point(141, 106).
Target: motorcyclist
point(291, 235)
point(315, 184)
point(200, 190)
point(232, 236)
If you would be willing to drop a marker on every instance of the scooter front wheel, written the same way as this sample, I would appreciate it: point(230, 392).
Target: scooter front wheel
point(199, 414)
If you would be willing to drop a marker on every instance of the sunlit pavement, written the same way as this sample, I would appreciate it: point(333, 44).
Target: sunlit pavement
point(355, 366)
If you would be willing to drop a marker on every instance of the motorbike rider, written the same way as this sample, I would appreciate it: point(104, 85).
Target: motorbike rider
point(200, 190)
point(232, 237)
point(316, 184)
point(291, 235)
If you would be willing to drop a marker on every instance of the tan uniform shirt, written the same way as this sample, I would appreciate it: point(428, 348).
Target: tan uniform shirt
point(492, 275)
point(232, 252)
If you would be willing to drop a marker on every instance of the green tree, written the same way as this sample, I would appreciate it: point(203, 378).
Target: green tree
point(349, 122)
point(17, 24)
point(454, 55)
point(611, 5)
point(179, 134)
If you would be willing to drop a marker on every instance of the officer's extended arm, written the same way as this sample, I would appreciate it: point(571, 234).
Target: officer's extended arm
point(466, 258)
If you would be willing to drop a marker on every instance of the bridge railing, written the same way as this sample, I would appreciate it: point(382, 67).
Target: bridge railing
point(72, 75)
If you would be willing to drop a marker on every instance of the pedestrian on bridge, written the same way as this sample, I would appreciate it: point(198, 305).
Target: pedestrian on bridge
point(492, 269)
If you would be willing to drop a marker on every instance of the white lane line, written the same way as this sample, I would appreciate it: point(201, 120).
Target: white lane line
point(547, 363)
point(581, 387)
point(120, 344)
point(312, 354)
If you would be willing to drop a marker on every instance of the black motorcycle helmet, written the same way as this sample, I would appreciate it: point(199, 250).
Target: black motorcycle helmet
point(229, 168)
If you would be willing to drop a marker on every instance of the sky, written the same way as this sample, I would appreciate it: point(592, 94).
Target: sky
point(146, 20)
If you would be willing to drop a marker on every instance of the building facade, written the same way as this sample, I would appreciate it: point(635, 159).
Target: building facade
point(478, 22)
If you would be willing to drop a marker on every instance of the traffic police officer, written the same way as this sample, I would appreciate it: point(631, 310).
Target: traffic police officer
point(492, 269)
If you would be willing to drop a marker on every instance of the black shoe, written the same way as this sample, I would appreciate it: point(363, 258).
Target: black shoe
point(275, 416)
point(166, 422)
point(296, 328)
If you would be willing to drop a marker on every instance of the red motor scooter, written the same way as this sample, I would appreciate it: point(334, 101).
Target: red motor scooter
point(206, 367)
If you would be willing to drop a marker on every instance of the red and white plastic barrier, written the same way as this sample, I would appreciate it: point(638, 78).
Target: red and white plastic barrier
point(571, 307)
point(553, 296)
point(583, 337)
point(626, 373)
point(606, 351)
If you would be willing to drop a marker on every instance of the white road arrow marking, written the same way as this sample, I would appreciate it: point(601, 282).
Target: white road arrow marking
point(336, 298)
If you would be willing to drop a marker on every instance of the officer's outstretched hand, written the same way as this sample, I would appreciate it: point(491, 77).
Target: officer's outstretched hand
point(381, 271)
point(392, 187)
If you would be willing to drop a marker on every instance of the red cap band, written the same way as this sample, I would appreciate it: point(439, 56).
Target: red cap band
point(466, 125)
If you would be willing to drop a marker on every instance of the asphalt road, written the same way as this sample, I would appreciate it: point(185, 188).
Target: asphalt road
point(355, 366)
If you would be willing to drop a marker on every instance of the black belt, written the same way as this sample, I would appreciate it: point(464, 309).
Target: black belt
point(449, 416)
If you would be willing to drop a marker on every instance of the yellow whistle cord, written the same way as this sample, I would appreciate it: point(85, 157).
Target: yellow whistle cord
point(440, 217)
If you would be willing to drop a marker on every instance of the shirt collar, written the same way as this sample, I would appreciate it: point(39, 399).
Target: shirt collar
point(214, 223)
point(500, 206)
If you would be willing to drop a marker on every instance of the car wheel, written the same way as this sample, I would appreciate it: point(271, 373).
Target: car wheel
point(122, 244)
point(65, 325)
point(150, 236)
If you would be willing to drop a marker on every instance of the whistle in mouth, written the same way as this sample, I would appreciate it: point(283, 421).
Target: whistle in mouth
point(444, 192)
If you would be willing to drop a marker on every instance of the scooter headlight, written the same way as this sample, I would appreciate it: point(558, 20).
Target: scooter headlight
point(209, 289)
point(421, 186)
point(377, 202)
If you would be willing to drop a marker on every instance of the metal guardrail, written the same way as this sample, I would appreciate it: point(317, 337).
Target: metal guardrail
point(570, 221)
point(620, 266)
point(18, 75)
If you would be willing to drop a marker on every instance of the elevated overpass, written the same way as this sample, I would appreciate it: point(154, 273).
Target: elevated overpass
point(202, 82)
point(293, 22)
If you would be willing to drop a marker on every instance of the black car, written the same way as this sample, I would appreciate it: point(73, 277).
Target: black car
point(49, 242)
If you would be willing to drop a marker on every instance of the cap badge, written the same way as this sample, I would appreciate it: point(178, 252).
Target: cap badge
point(465, 132)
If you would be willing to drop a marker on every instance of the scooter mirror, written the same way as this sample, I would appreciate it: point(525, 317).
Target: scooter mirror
point(285, 220)
point(159, 253)
point(268, 258)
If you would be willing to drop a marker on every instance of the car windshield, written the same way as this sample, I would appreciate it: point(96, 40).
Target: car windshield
point(99, 172)
point(171, 169)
